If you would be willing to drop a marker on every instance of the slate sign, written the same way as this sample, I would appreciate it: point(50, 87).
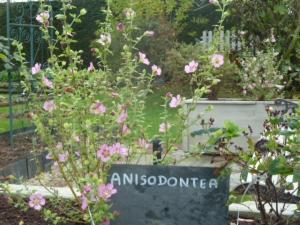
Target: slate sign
point(169, 195)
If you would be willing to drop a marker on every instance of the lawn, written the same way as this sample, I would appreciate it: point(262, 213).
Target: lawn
point(20, 122)
point(153, 113)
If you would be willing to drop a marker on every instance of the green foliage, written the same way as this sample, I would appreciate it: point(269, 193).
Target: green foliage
point(278, 20)
point(259, 75)
point(276, 164)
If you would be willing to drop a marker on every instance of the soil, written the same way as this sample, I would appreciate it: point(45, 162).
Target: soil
point(23, 144)
point(9, 215)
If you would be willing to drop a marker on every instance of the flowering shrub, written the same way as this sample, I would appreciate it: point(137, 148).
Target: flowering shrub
point(259, 75)
point(207, 69)
point(91, 116)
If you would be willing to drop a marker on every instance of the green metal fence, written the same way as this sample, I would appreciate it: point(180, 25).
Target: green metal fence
point(22, 26)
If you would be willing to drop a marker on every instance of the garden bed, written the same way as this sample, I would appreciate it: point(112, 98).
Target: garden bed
point(10, 215)
point(22, 146)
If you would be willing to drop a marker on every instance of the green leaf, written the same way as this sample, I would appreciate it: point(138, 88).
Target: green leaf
point(279, 166)
point(232, 130)
point(296, 174)
point(244, 174)
point(2, 56)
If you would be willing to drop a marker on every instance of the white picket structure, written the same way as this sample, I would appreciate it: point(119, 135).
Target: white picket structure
point(228, 40)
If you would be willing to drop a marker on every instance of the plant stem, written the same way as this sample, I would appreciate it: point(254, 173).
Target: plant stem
point(260, 205)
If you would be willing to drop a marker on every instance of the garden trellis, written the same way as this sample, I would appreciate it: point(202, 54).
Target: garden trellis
point(21, 26)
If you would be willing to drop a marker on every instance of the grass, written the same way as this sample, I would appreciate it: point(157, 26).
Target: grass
point(153, 112)
point(18, 123)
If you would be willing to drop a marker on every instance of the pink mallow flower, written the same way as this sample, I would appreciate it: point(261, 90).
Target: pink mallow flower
point(106, 191)
point(123, 117)
point(106, 222)
point(97, 108)
point(91, 67)
point(49, 106)
point(84, 202)
point(143, 58)
point(49, 156)
point(76, 138)
point(156, 70)
point(120, 27)
point(63, 157)
point(37, 201)
point(163, 127)
point(87, 188)
point(175, 101)
point(125, 130)
point(43, 17)
point(36, 69)
point(48, 83)
point(213, 1)
point(217, 60)
point(191, 67)
point(129, 13)
point(105, 152)
point(119, 149)
point(143, 143)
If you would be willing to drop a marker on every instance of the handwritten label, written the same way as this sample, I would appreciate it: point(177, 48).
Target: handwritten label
point(161, 180)
point(169, 195)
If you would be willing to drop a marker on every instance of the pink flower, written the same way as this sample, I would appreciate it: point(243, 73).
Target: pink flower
point(115, 95)
point(106, 191)
point(87, 188)
point(84, 202)
point(156, 70)
point(119, 149)
point(125, 130)
point(213, 1)
point(76, 138)
point(91, 67)
point(55, 169)
point(175, 101)
point(163, 127)
point(123, 117)
point(97, 108)
point(43, 17)
point(49, 106)
point(37, 201)
point(129, 13)
point(36, 69)
point(105, 39)
point(191, 67)
point(59, 146)
point(49, 156)
point(120, 27)
point(143, 58)
point(149, 33)
point(169, 95)
point(105, 152)
point(48, 82)
point(63, 157)
point(143, 143)
point(217, 60)
point(106, 222)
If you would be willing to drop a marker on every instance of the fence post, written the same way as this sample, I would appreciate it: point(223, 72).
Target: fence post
point(10, 92)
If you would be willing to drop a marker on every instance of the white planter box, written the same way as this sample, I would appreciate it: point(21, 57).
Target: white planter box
point(243, 113)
